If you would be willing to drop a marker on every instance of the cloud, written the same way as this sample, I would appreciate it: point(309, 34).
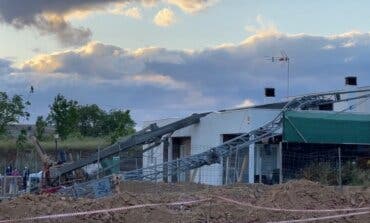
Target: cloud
point(133, 12)
point(328, 47)
point(64, 32)
point(192, 6)
point(164, 82)
point(164, 17)
point(159, 79)
point(49, 17)
point(228, 72)
point(5, 67)
point(245, 103)
point(121, 9)
point(52, 17)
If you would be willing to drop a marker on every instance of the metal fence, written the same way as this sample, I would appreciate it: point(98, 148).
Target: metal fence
point(329, 166)
point(11, 186)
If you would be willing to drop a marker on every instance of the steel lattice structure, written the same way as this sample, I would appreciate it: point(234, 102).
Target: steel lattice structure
point(269, 130)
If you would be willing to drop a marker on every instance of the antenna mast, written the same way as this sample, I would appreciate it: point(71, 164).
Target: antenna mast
point(283, 58)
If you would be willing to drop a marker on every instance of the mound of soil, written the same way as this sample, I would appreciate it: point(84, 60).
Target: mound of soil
point(292, 195)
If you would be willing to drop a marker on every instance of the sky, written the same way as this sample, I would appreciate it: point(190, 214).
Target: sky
point(172, 58)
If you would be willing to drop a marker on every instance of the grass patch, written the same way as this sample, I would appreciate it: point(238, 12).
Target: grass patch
point(80, 143)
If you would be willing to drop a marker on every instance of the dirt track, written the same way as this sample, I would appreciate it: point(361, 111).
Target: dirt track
point(292, 195)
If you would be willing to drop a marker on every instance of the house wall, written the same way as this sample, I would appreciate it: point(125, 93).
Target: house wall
point(208, 133)
point(361, 105)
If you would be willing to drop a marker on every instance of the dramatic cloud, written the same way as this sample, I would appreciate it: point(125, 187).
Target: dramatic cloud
point(52, 16)
point(222, 68)
point(165, 17)
point(158, 82)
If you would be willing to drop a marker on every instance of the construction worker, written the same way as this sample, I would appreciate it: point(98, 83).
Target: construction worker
point(8, 170)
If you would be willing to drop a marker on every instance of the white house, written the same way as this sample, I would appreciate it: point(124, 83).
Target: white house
point(211, 131)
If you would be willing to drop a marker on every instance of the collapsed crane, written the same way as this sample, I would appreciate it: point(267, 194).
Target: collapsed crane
point(150, 135)
point(269, 130)
point(153, 135)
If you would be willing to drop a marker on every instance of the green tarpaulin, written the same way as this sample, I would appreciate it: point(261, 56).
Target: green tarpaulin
point(326, 127)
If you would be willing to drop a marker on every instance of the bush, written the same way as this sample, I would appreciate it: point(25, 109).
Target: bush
point(322, 172)
point(327, 174)
point(352, 175)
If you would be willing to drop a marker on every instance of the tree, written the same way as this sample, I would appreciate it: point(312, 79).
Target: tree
point(91, 120)
point(21, 139)
point(40, 127)
point(20, 144)
point(11, 110)
point(119, 123)
point(64, 116)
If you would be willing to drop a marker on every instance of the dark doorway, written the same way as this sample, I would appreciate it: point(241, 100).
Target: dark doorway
point(181, 147)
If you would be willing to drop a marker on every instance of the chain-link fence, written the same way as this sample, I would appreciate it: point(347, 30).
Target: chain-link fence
point(328, 164)
point(11, 186)
point(271, 164)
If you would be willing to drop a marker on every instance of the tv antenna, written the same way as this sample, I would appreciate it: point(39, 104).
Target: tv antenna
point(283, 58)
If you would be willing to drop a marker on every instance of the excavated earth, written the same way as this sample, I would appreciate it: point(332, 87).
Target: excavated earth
point(292, 195)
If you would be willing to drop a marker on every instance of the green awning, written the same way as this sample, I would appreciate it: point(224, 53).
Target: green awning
point(326, 127)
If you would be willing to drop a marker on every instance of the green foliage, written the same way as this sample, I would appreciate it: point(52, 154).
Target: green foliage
point(352, 175)
point(11, 110)
point(91, 120)
point(94, 122)
point(40, 127)
point(21, 139)
point(71, 119)
point(322, 172)
point(119, 124)
point(64, 116)
point(71, 143)
point(327, 174)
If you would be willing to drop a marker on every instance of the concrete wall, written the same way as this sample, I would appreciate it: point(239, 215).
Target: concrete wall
point(208, 133)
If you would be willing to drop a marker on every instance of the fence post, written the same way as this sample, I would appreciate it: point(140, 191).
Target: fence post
point(280, 162)
point(97, 175)
point(340, 167)
point(155, 169)
point(227, 170)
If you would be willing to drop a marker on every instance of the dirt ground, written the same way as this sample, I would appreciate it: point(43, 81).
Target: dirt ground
point(292, 195)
